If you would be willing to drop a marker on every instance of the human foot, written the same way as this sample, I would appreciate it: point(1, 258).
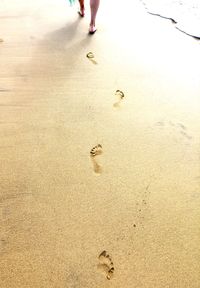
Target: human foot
point(81, 12)
point(92, 29)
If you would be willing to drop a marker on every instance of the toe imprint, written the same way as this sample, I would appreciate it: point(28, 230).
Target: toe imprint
point(90, 55)
point(96, 150)
point(106, 265)
point(120, 93)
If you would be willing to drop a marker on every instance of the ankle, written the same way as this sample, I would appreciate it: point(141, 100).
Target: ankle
point(82, 11)
point(82, 8)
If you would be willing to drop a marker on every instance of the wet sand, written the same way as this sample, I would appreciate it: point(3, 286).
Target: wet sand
point(185, 13)
point(139, 199)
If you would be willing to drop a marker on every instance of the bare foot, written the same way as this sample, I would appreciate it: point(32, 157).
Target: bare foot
point(81, 12)
point(92, 29)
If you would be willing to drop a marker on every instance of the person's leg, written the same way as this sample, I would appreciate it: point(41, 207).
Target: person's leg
point(94, 5)
point(82, 8)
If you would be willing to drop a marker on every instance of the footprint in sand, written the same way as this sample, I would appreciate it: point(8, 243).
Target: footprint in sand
point(1, 40)
point(183, 131)
point(177, 127)
point(105, 265)
point(95, 151)
point(91, 57)
point(120, 96)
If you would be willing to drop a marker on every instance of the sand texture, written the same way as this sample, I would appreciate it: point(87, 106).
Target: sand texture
point(98, 188)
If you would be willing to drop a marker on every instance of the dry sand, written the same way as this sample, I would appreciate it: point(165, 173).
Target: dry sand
point(143, 206)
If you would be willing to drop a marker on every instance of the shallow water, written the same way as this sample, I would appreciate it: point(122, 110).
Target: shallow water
point(185, 12)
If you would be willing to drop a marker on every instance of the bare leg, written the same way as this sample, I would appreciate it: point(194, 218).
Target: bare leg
point(94, 5)
point(82, 8)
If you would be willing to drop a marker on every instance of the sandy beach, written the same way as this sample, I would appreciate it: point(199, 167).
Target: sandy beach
point(138, 199)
